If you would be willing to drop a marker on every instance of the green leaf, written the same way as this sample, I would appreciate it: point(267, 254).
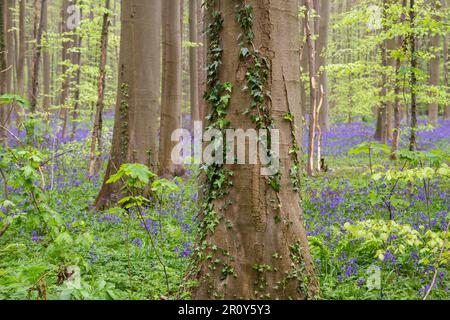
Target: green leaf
point(244, 52)
point(11, 98)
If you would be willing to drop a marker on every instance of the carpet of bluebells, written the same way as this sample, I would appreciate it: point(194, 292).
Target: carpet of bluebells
point(361, 249)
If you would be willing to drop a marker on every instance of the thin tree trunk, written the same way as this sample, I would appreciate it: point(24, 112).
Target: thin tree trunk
point(76, 60)
point(46, 61)
point(171, 83)
point(446, 62)
point(3, 67)
point(397, 106)
point(304, 69)
point(401, 44)
point(322, 43)
point(391, 46)
point(382, 129)
point(9, 56)
point(446, 82)
point(36, 61)
point(193, 61)
point(201, 55)
point(435, 65)
point(20, 71)
point(64, 95)
point(135, 126)
point(313, 87)
point(413, 81)
point(96, 142)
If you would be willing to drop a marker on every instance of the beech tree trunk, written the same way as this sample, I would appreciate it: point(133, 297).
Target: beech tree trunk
point(201, 55)
point(383, 114)
point(135, 129)
point(322, 42)
point(9, 56)
point(435, 75)
point(20, 70)
point(446, 82)
point(171, 83)
point(446, 62)
point(397, 105)
point(36, 60)
point(193, 60)
point(312, 84)
point(45, 60)
point(435, 65)
point(3, 66)
point(397, 92)
point(258, 248)
point(76, 61)
point(65, 57)
point(96, 142)
point(413, 80)
point(303, 68)
point(390, 106)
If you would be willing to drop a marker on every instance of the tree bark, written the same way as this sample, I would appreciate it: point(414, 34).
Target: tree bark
point(65, 57)
point(46, 60)
point(3, 67)
point(401, 43)
point(9, 56)
point(446, 82)
point(36, 60)
point(96, 142)
point(383, 126)
point(322, 42)
point(397, 105)
point(135, 129)
point(435, 76)
point(313, 86)
point(413, 80)
point(201, 69)
point(20, 71)
point(446, 62)
point(258, 249)
point(171, 83)
point(193, 60)
point(76, 61)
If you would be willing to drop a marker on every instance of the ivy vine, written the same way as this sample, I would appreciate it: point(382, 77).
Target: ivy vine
point(257, 77)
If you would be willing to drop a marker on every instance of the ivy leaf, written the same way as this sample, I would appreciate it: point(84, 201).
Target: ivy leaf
point(244, 52)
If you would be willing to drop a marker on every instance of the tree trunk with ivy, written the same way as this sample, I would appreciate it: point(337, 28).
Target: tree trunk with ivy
point(46, 76)
point(446, 82)
point(253, 242)
point(20, 70)
point(413, 80)
point(135, 126)
point(36, 60)
point(3, 66)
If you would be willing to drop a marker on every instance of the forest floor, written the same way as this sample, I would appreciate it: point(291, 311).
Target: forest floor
point(370, 239)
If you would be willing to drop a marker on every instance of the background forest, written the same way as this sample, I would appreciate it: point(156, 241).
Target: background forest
point(94, 207)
